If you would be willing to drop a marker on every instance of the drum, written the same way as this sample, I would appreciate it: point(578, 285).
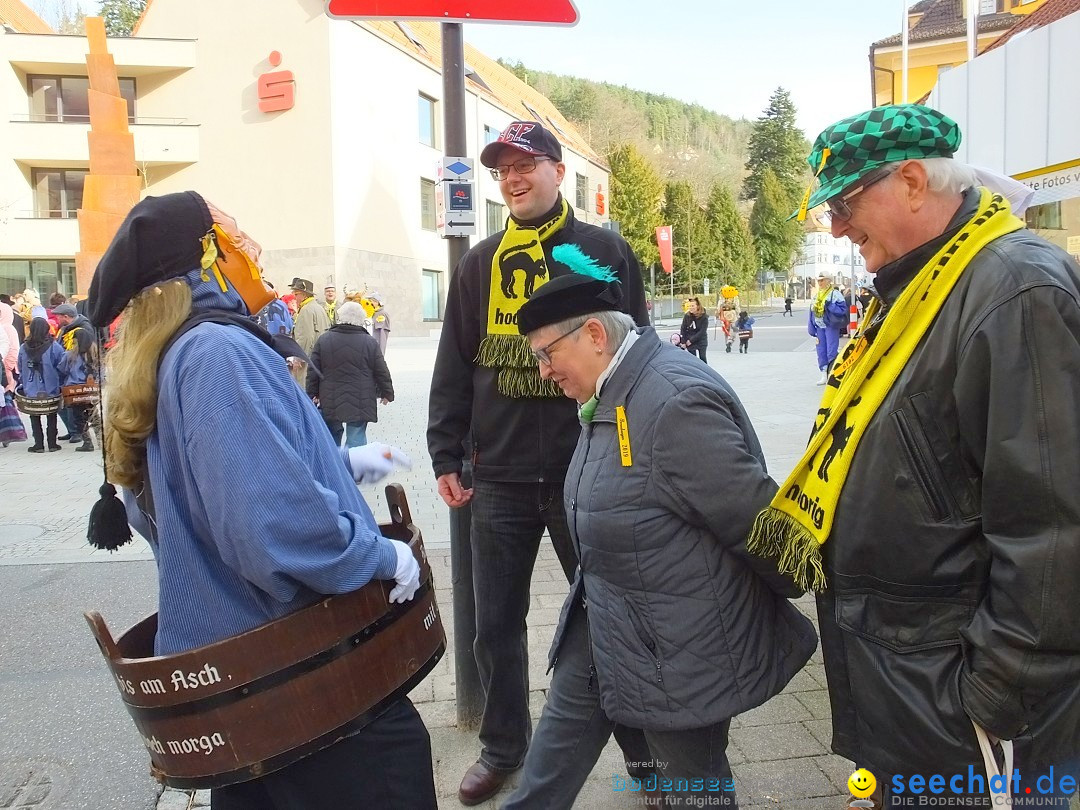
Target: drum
point(80, 394)
point(254, 703)
point(36, 406)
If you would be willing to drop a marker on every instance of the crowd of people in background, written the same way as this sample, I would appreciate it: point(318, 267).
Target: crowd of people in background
point(43, 349)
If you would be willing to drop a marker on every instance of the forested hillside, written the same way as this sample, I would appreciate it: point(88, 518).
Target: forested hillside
point(682, 142)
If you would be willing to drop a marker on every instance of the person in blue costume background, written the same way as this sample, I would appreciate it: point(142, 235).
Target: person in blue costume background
point(251, 511)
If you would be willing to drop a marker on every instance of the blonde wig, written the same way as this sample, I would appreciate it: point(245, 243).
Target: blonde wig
point(152, 317)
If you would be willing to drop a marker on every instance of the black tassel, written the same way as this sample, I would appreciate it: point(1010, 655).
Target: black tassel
point(108, 528)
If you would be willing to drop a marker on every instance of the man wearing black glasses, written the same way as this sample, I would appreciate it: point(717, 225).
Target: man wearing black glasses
point(947, 609)
point(486, 392)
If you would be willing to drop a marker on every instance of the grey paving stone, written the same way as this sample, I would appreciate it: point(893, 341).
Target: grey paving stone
point(837, 769)
point(783, 741)
point(822, 731)
point(817, 703)
point(787, 780)
point(781, 709)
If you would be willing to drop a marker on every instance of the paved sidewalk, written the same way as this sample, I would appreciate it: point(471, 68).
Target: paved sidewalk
point(780, 751)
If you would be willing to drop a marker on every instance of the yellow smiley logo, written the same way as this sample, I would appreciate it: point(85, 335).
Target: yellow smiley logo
point(861, 783)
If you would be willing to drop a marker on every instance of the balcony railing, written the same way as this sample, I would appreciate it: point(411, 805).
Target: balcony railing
point(55, 118)
point(45, 213)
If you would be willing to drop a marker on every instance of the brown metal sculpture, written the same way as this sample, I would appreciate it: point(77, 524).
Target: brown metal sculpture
point(254, 703)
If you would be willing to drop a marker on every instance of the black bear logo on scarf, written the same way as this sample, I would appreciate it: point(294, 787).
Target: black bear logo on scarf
point(514, 259)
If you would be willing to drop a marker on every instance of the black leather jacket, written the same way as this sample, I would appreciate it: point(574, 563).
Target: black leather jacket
point(954, 563)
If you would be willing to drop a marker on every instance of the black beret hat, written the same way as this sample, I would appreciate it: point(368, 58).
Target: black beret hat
point(159, 239)
point(566, 296)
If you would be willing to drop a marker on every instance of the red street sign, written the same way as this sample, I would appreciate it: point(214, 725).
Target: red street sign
point(548, 12)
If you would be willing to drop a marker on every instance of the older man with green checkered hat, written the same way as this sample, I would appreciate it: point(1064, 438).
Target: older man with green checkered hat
point(936, 510)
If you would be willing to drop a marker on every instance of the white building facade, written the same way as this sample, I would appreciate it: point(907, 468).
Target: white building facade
point(1017, 109)
point(822, 253)
point(322, 137)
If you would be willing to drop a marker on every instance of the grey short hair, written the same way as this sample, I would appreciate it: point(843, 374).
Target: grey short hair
point(945, 175)
point(617, 325)
point(351, 313)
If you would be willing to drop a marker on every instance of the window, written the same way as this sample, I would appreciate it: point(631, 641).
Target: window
point(47, 276)
point(431, 295)
point(1046, 216)
point(410, 35)
point(57, 192)
point(532, 111)
point(581, 192)
point(490, 134)
point(426, 110)
point(427, 204)
point(473, 76)
point(496, 217)
point(63, 98)
point(556, 126)
point(990, 6)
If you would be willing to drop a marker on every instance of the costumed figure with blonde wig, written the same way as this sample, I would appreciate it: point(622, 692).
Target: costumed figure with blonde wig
point(227, 470)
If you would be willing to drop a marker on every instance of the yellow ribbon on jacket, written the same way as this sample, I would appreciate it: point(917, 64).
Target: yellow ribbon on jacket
point(795, 525)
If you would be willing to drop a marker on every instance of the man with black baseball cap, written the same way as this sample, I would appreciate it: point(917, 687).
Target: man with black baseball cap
point(486, 392)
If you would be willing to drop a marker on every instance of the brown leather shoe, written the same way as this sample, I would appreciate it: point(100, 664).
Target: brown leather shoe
point(480, 783)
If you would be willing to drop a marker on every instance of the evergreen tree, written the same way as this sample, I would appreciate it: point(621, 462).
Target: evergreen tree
point(737, 258)
point(776, 143)
point(635, 201)
point(121, 16)
point(777, 238)
point(693, 251)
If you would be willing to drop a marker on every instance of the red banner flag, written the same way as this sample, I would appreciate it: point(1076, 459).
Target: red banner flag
point(663, 241)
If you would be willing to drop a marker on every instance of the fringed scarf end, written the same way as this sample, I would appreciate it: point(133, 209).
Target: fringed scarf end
point(505, 351)
point(776, 535)
point(519, 375)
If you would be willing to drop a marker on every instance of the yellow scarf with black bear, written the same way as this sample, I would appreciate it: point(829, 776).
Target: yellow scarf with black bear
point(503, 347)
point(796, 524)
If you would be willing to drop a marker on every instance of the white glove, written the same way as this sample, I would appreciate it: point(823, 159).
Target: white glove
point(407, 573)
point(373, 462)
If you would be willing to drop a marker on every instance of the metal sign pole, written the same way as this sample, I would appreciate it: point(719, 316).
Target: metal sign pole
point(470, 695)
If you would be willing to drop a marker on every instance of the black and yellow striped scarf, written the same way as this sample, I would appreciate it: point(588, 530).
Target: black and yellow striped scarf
point(800, 517)
point(503, 347)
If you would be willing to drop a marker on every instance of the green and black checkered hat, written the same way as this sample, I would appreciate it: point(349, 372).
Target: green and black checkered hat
point(850, 148)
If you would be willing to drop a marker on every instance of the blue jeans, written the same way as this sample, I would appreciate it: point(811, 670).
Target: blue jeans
point(355, 433)
point(68, 418)
point(827, 347)
point(508, 520)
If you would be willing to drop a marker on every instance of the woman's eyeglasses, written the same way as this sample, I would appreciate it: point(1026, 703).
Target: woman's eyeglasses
point(542, 354)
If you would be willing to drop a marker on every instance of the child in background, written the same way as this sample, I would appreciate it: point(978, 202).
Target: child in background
point(744, 326)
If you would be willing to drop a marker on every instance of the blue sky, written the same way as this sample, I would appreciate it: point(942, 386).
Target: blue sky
point(725, 55)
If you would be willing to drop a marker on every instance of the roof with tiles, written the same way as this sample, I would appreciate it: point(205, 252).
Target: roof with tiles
point(1052, 11)
point(944, 19)
point(488, 78)
point(17, 15)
